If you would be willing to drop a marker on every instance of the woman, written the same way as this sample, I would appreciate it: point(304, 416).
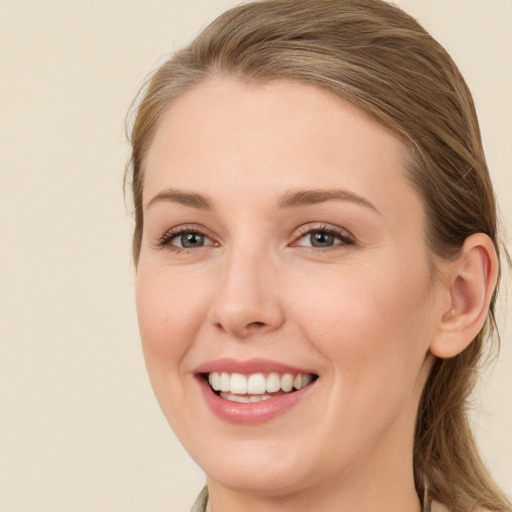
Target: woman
point(317, 259)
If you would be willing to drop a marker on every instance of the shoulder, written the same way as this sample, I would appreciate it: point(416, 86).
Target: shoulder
point(201, 502)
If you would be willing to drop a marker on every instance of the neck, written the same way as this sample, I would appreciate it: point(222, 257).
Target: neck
point(405, 501)
point(386, 491)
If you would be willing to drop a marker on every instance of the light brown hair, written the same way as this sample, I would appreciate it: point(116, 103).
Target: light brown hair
point(375, 56)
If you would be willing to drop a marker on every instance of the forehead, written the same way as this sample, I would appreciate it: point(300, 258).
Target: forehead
point(274, 136)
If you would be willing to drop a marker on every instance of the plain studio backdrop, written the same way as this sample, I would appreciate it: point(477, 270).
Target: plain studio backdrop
point(80, 429)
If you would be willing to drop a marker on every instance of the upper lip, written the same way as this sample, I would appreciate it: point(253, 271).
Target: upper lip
point(248, 367)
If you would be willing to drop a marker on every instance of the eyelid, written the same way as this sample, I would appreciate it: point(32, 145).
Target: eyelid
point(164, 241)
point(345, 236)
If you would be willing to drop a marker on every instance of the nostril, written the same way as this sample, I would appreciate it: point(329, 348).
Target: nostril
point(256, 324)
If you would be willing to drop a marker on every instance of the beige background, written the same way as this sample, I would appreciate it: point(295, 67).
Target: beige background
point(79, 427)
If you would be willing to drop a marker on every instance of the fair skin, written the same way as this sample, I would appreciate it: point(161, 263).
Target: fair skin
point(335, 283)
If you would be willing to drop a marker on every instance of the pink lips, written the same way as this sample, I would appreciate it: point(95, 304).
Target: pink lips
point(248, 367)
point(254, 412)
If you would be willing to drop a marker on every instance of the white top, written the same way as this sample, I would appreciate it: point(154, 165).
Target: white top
point(201, 502)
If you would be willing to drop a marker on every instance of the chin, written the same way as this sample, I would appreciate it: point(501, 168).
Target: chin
point(269, 479)
point(269, 468)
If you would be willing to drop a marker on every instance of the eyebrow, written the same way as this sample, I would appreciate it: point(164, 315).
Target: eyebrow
point(310, 197)
point(185, 198)
point(291, 199)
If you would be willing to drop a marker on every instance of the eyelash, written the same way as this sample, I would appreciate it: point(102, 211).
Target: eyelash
point(345, 238)
point(166, 239)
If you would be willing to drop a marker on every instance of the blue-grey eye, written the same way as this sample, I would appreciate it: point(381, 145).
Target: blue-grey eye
point(322, 239)
point(183, 238)
point(190, 240)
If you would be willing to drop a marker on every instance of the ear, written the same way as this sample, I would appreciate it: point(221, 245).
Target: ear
point(470, 281)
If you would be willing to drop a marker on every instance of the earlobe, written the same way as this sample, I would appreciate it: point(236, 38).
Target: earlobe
point(471, 280)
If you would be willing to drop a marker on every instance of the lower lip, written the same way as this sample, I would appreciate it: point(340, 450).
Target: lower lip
point(251, 413)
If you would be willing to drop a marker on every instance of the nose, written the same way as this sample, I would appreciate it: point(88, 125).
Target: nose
point(246, 301)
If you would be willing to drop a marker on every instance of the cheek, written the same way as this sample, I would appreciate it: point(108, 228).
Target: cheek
point(369, 325)
point(170, 309)
point(370, 330)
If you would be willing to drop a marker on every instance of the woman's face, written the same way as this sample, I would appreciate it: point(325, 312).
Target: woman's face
point(283, 244)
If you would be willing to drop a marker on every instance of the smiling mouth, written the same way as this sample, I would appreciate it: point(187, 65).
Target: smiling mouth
point(256, 387)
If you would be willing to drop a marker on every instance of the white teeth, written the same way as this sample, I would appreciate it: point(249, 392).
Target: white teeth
point(224, 381)
point(287, 382)
point(214, 379)
point(273, 383)
point(257, 384)
point(259, 398)
point(238, 384)
point(245, 399)
point(306, 379)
